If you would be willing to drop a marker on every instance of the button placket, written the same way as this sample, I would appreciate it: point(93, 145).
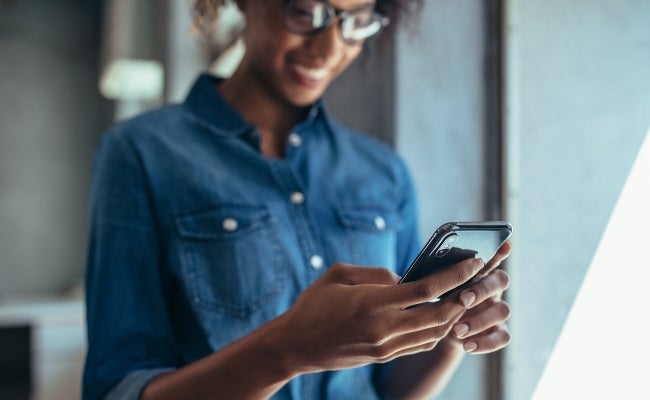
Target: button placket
point(288, 180)
point(316, 262)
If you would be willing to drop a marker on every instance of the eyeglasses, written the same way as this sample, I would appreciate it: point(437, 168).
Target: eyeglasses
point(309, 17)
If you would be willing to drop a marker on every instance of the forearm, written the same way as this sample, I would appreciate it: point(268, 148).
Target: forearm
point(423, 375)
point(254, 367)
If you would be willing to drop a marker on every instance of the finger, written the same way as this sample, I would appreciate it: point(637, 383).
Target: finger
point(412, 343)
point(492, 340)
point(398, 344)
point(497, 313)
point(499, 256)
point(348, 274)
point(409, 351)
point(490, 286)
point(434, 285)
point(428, 315)
point(480, 307)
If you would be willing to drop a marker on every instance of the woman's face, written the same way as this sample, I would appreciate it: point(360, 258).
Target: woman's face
point(290, 67)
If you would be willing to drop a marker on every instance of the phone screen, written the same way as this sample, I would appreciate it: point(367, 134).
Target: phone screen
point(456, 241)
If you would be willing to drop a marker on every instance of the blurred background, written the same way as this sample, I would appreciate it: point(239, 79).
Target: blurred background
point(534, 112)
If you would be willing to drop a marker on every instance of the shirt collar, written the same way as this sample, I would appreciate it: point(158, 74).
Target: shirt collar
point(206, 103)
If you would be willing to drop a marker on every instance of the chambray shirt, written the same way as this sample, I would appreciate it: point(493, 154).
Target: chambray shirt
point(197, 239)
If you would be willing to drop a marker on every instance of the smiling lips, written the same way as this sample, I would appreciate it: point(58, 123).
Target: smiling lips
point(312, 74)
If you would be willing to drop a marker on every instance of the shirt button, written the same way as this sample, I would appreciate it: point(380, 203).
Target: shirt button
point(380, 223)
point(295, 140)
point(316, 262)
point(229, 224)
point(297, 198)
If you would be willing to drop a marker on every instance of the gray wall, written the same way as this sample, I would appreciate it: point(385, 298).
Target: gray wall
point(439, 103)
point(364, 95)
point(578, 107)
point(50, 117)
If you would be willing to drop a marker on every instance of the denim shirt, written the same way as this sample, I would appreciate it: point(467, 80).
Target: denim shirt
point(197, 239)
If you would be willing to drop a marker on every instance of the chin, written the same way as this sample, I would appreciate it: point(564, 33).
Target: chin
point(302, 98)
point(305, 102)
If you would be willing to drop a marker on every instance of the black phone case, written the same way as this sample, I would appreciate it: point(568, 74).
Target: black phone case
point(457, 241)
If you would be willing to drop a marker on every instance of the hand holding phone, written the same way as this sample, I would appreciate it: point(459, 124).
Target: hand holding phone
point(456, 241)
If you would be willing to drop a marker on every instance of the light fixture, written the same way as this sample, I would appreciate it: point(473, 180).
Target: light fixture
point(131, 52)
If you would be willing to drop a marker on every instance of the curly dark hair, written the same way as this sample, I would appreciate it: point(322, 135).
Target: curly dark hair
point(207, 11)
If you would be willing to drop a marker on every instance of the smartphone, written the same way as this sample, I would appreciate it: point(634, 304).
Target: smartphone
point(456, 241)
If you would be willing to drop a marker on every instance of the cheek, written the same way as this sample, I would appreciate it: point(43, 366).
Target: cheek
point(266, 38)
point(349, 55)
point(274, 48)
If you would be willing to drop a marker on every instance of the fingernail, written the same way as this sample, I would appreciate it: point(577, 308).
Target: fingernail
point(460, 330)
point(478, 264)
point(470, 346)
point(467, 298)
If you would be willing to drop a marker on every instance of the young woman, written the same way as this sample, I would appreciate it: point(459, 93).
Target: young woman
point(245, 245)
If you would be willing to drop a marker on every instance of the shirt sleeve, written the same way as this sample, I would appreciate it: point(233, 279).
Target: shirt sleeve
point(130, 336)
point(130, 387)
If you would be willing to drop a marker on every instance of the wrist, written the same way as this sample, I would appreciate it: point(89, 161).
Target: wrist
point(276, 347)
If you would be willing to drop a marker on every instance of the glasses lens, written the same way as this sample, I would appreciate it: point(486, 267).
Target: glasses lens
point(305, 16)
point(312, 16)
point(362, 25)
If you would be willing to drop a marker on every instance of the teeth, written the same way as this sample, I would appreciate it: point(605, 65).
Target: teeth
point(311, 73)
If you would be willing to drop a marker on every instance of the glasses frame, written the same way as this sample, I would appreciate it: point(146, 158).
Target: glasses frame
point(334, 14)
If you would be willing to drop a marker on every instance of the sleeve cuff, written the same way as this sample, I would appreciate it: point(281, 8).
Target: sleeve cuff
point(131, 386)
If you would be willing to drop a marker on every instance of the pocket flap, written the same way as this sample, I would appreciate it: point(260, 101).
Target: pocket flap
point(369, 218)
point(225, 221)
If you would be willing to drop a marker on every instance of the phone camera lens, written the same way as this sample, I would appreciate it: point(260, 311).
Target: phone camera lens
point(446, 245)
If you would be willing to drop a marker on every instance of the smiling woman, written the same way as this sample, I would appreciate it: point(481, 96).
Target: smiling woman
point(224, 231)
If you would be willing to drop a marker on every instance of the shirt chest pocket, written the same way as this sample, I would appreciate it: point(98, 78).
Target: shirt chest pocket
point(231, 258)
point(371, 234)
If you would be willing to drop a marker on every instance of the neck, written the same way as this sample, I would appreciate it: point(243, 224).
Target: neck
point(273, 116)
